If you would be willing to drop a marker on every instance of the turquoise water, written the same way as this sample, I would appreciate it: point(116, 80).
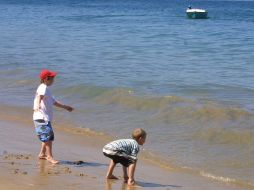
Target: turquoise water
point(127, 64)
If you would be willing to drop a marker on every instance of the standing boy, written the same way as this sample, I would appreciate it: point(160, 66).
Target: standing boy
point(43, 114)
point(124, 151)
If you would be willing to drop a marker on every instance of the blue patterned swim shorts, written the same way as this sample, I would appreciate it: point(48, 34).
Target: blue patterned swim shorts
point(44, 130)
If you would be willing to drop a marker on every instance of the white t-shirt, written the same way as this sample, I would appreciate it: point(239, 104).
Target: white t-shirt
point(45, 110)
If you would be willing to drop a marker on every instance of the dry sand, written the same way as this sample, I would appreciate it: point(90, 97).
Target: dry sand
point(82, 164)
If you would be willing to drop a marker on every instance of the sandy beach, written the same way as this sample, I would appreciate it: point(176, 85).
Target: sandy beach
point(82, 165)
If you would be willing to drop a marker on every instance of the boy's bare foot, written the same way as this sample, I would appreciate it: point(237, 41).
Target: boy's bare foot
point(44, 157)
point(111, 177)
point(52, 160)
point(131, 182)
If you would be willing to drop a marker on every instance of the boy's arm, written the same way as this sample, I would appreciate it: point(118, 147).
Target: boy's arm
point(134, 153)
point(40, 97)
point(68, 108)
point(131, 171)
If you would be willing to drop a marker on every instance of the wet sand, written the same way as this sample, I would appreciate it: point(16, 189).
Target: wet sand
point(82, 164)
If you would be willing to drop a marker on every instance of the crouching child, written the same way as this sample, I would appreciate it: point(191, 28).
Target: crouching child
point(125, 151)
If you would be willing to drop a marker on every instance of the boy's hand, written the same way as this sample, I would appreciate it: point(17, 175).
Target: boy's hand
point(125, 179)
point(69, 108)
point(37, 109)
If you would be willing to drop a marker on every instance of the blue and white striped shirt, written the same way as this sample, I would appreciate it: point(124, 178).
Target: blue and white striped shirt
point(124, 147)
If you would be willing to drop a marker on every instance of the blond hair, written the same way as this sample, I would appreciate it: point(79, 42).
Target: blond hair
point(137, 133)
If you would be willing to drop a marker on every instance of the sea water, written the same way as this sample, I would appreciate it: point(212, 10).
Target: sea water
point(127, 64)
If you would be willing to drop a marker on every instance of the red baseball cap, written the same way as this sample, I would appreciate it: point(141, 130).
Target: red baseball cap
point(47, 73)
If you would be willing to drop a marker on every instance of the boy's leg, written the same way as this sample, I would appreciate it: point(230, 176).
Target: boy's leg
point(42, 154)
point(49, 153)
point(125, 174)
point(131, 171)
point(111, 167)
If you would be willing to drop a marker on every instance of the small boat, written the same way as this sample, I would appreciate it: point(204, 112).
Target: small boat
point(196, 13)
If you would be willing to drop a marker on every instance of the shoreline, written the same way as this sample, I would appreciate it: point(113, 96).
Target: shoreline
point(20, 146)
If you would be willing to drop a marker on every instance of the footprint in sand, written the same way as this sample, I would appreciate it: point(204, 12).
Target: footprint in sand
point(67, 170)
point(17, 156)
point(18, 171)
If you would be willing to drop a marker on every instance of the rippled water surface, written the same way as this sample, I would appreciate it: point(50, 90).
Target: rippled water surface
point(127, 64)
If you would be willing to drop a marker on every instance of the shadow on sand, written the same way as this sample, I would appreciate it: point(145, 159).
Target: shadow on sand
point(151, 185)
point(81, 163)
point(144, 185)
